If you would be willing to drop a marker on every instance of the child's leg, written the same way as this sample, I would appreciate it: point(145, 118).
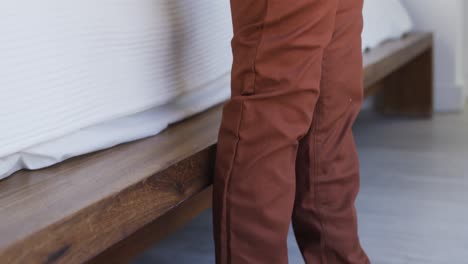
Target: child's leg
point(278, 47)
point(324, 217)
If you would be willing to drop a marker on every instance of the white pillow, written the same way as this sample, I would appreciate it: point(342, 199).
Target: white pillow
point(383, 20)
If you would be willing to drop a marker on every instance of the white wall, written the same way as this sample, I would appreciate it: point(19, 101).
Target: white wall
point(446, 19)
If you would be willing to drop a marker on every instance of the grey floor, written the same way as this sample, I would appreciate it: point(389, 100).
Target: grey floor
point(413, 205)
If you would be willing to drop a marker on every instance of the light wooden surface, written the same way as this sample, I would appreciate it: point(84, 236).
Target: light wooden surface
point(413, 205)
point(71, 212)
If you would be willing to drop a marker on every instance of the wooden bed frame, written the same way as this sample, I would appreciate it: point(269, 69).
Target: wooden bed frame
point(109, 206)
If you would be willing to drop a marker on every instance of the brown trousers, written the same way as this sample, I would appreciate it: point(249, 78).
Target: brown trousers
point(286, 149)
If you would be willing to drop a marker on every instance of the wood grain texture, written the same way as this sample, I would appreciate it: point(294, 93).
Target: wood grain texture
point(409, 90)
point(392, 55)
point(71, 212)
point(126, 250)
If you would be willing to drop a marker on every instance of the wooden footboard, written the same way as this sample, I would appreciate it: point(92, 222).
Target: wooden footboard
point(400, 74)
point(108, 206)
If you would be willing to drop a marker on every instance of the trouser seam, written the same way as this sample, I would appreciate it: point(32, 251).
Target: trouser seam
point(315, 185)
point(228, 180)
point(228, 186)
point(259, 44)
point(318, 206)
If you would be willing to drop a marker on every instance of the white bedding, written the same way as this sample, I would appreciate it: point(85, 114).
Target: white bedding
point(68, 64)
point(117, 131)
point(383, 20)
point(79, 76)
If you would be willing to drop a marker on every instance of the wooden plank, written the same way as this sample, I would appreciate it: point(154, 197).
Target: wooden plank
point(392, 55)
point(71, 212)
point(75, 210)
point(126, 250)
point(409, 90)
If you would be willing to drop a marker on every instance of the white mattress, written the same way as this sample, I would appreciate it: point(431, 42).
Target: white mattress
point(80, 76)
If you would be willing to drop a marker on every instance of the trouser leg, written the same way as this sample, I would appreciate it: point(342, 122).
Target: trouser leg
point(327, 167)
point(278, 48)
